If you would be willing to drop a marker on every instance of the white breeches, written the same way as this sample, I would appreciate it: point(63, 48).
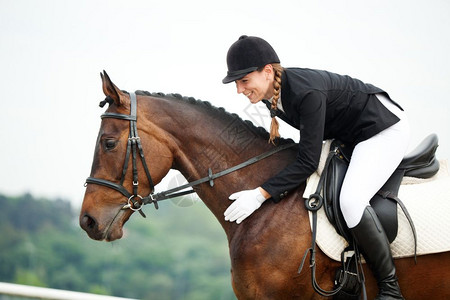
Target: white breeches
point(373, 162)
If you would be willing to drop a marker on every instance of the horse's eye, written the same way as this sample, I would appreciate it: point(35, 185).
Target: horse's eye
point(110, 144)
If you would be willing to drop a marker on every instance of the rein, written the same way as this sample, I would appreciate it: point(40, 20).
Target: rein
point(134, 147)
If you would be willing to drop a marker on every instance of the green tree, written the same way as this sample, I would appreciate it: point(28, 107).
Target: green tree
point(176, 253)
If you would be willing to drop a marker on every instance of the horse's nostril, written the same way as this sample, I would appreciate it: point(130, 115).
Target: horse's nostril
point(90, 225)
point(87, 222)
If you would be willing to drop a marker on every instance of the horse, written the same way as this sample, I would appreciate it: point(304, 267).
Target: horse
point(195, 138)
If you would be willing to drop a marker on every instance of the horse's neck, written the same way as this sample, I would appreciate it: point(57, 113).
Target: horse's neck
point(216, 142)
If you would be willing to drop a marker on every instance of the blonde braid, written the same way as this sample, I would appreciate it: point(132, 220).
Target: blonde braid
point(274, 126)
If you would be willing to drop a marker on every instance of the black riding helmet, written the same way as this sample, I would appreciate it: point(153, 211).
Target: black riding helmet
point(246, 55)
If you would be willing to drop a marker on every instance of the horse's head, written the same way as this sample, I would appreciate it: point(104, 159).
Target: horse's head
point(120, 172)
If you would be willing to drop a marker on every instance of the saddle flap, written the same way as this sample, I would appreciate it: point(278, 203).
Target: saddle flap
point(385, 208)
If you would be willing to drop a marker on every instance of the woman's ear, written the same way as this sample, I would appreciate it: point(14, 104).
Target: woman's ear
point(268, 71)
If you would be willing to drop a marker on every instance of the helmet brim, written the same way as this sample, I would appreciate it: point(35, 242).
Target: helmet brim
point(235, 75)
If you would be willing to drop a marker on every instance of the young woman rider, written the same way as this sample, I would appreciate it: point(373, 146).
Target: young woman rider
point(325, 105)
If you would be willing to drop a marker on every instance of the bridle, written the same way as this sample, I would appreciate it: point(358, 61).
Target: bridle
point(134, 146)
point(135, 201)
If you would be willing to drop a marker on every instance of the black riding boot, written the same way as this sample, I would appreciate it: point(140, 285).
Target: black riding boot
point(374, 245)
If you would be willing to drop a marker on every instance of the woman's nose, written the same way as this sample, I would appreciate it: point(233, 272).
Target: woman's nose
point(239, 88)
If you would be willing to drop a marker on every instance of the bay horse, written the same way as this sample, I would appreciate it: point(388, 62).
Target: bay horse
point(192, 137)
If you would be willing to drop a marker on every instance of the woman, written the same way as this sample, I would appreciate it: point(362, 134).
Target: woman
point(324, 105)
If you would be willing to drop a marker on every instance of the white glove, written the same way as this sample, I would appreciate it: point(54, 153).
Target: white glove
point(246, 203)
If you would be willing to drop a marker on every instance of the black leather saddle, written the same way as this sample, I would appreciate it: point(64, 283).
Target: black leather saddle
point(420, 163)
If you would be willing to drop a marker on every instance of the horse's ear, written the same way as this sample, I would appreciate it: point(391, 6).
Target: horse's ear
point(111, 90)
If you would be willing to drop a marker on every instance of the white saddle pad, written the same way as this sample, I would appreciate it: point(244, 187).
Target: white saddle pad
point(427, 201)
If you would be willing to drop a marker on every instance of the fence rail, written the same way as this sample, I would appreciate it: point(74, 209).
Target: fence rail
point(47, 293)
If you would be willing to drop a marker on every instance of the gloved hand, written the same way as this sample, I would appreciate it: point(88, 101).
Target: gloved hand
point(246, 202)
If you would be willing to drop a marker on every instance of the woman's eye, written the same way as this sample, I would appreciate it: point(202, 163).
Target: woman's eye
point(110, 144)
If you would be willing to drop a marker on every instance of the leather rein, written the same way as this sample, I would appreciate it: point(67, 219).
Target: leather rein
point(135, 201)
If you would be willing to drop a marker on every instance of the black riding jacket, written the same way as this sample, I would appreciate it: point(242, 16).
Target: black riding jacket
point(324, 105)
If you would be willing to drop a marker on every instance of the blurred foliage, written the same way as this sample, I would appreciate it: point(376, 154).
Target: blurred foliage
point(175, 253)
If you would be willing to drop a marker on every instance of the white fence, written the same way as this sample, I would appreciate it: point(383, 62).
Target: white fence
point(19, 290)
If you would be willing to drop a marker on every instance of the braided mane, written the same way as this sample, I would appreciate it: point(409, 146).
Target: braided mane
point(219, 112)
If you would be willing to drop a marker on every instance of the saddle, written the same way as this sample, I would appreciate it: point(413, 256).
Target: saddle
point(419, 163)
point(349, 281)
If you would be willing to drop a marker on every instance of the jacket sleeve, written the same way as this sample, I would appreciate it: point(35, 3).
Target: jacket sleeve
point(311, 111)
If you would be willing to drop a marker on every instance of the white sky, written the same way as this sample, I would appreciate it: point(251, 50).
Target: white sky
point(52, 51)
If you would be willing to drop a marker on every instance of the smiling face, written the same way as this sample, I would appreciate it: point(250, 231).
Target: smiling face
point(257, 85)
